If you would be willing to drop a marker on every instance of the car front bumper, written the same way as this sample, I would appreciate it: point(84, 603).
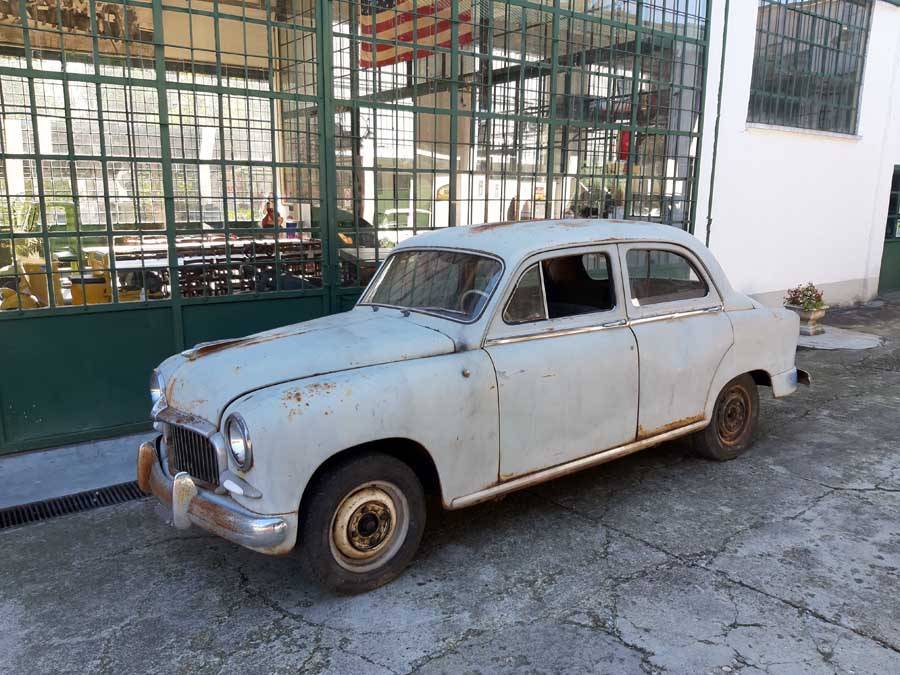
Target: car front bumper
point(215, 513)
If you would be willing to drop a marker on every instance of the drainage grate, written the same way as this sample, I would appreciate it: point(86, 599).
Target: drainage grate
point(61, 506)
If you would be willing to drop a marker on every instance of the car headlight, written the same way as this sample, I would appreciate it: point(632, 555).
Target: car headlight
point(156, 387)
point(238, 439)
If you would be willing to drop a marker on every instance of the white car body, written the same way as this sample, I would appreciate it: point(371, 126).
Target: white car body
point(486, 406)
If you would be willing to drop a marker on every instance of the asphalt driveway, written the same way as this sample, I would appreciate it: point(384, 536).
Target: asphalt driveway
point(786, 560)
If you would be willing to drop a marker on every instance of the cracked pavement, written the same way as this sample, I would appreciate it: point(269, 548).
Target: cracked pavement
point(784, 561)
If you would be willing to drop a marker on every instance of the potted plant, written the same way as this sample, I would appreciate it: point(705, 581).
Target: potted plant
point(807, 301)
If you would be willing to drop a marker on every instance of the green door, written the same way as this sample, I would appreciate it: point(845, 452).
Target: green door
point(890, 259)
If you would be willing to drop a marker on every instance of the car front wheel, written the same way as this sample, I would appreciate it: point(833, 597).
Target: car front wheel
point(362, 523)
point(734, 418)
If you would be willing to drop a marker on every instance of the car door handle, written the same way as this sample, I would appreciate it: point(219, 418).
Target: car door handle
point(615, 324)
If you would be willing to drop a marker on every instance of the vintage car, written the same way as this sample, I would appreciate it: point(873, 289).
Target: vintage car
point(480, 360)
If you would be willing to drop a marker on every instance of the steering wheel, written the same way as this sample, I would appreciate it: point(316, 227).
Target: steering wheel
point(462, 299)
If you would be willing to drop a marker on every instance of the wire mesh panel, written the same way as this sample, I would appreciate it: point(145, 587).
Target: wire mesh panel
point(158, 150)
point(452, 112)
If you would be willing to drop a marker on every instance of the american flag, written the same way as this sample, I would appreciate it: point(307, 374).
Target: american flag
point(412, 26)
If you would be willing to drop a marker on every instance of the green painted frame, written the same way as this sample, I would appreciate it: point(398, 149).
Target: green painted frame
point(94, 384)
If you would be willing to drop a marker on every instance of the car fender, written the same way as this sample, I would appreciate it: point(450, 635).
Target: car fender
point(764, 340)
point(447, 404)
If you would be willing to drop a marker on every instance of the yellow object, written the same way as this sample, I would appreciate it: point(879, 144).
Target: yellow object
point(129, 296)
point(9, 299)
point(36, 274)
point(90, 291)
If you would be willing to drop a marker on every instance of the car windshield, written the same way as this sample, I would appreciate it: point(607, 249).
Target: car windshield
point(453, 284)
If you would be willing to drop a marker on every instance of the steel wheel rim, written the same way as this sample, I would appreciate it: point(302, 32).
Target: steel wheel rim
point(733, 416)
point(369, 526)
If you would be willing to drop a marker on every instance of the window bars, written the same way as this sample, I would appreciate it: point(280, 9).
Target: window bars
point(809, 63)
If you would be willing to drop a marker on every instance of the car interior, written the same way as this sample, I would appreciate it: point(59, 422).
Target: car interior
point(572, 291)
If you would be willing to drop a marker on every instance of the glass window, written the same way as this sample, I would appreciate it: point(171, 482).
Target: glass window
point(809, 63)
point(448, 283)
point(658, 276)
point(527, 302)
point(578, 284)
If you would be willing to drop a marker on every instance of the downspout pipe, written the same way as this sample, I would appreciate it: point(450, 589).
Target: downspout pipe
point(715, 154)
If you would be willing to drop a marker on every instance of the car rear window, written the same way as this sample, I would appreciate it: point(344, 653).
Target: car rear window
point(657, 276)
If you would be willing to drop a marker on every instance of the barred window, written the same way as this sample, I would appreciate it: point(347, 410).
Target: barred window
point(809, 63)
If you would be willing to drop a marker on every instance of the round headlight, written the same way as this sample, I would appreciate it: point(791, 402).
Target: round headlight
point(239, 441)
point(156, 387)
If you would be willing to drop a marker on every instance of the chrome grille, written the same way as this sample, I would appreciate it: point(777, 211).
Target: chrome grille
point(193, 452)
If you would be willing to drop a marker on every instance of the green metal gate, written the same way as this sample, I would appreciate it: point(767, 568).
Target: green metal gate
point(177, 171)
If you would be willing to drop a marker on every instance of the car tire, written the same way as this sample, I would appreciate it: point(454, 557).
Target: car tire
point(361, 523)
point(734, 418)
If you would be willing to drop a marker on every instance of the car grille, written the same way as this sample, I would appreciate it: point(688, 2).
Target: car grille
point(193, 452)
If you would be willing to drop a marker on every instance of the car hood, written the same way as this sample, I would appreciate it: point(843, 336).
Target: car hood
point(202, 381)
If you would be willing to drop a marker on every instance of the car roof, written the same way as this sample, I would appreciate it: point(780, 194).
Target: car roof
point(517, 240)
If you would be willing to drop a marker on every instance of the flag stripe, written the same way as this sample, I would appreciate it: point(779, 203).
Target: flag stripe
point(407, 31)
point(365, 22)
point(406, 54)
point(437, 27)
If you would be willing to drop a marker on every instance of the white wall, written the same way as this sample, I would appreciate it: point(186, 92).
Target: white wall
point(791, 206)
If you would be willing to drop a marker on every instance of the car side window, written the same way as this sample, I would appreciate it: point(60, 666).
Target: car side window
point(578, 284)
point(657, 276)
point(527, 301)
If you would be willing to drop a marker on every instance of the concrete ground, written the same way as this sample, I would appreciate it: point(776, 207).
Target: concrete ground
point(44, 474)
point(786, 561)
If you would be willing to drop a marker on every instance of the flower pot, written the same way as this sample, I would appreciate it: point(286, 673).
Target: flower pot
point(809, 319)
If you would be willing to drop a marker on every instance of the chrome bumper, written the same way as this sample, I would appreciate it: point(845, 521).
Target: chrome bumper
point(786, 383)
point(214, 513)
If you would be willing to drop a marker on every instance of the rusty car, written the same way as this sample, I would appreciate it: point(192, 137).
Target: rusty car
point(478, 361)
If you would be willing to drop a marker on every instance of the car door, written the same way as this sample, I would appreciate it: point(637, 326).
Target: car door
point(682, 333)
point(566, 361)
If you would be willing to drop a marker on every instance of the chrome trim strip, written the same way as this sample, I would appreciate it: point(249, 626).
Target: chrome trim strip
point(537, 477)
point(675, 315)
point(170, 415)
point(621, 323)
point(604, 326)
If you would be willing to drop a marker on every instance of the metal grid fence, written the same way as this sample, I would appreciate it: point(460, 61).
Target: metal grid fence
point(173, 151)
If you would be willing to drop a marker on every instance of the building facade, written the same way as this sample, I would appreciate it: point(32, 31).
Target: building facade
point(806, 170)
point(176, 171)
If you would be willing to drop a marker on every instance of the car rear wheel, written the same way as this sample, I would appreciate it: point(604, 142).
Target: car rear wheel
point(362, 522)
point(734, 418)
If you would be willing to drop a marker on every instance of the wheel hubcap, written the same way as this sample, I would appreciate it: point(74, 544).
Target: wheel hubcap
point(369, 526)
point(734, 415)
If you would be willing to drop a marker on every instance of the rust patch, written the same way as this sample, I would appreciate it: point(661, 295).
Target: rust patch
point(320, 388)
point(297, 398)
point(205, 350)
point(197, 352)
point(487, 227)
point(146, 458)
point(671, 426)
point(292, 395)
